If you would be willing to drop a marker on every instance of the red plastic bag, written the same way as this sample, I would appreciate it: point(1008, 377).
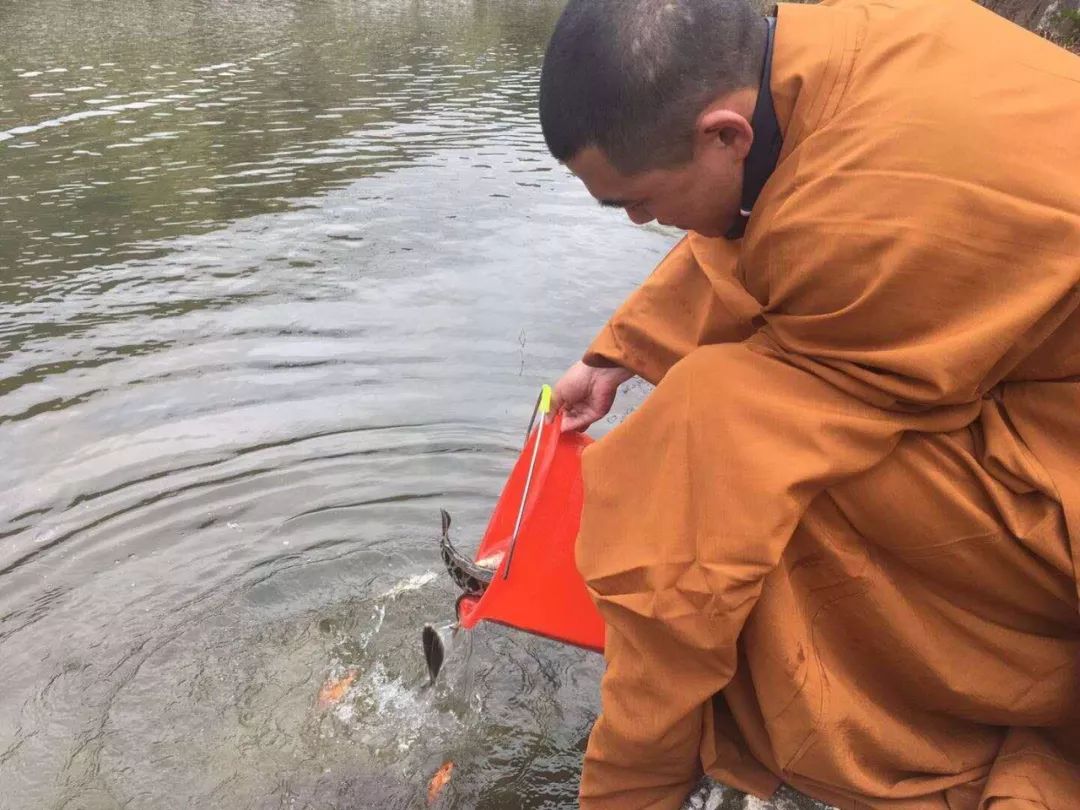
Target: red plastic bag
point(537, 588)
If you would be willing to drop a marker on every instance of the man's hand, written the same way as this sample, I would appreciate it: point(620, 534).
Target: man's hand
point(585, 393)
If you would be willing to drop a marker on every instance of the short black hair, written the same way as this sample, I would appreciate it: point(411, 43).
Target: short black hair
point(631, 76)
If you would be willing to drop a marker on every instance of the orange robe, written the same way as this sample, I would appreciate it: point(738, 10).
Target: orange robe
point(839, 544)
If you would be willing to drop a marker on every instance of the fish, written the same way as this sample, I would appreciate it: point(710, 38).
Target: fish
point(472, 577)
point(439, 781)
point(434, 651)
point(335, 688)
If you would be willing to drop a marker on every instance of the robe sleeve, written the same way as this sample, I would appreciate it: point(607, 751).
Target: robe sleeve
point(872, 327)
point(691, 298)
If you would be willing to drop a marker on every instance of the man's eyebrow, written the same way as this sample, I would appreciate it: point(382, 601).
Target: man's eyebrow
point(616, 203)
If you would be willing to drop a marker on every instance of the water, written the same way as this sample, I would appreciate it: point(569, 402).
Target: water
point(278, 280)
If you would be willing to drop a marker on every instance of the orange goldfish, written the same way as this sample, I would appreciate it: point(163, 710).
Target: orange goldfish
point(440, 780)
point(334, 689)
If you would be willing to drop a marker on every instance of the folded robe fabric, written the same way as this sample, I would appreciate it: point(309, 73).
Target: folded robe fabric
point(839, 544)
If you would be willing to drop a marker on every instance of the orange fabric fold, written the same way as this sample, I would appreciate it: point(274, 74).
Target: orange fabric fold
point(839, 544)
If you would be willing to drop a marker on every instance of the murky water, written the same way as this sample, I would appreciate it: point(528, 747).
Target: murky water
point(278, 279)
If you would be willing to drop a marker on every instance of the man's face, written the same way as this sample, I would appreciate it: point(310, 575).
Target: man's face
point(702, 195)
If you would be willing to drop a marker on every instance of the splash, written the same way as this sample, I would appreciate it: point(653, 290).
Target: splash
point(413, 583)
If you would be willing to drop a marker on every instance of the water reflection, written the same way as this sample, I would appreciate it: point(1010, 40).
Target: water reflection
point(193, 115)
point(273, 278)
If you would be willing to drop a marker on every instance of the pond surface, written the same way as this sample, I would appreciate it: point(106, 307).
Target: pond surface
point(278, 280)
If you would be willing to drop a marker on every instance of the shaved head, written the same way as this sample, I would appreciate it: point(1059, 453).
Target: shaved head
point(631, 76)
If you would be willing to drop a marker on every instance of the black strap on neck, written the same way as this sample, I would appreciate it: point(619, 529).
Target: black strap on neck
point(765, 151)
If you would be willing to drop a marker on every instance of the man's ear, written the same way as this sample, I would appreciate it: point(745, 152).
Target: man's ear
point(726, 129)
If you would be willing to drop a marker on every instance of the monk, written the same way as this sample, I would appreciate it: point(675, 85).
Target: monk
point(838, 545)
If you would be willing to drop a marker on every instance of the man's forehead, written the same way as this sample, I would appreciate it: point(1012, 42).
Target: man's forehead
point(592, 163)
point(603, 180)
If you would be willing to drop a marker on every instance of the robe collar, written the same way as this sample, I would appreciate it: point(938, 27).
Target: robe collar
point(765, 150)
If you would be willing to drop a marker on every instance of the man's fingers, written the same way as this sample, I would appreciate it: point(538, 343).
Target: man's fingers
point(570, 421)
point(585, 394)
point(574, 425)
point(576, 419)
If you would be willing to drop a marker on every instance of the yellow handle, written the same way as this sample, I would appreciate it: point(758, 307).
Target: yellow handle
point(545, 399)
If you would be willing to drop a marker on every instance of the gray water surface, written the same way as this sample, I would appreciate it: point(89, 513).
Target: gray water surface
point(278, 280)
